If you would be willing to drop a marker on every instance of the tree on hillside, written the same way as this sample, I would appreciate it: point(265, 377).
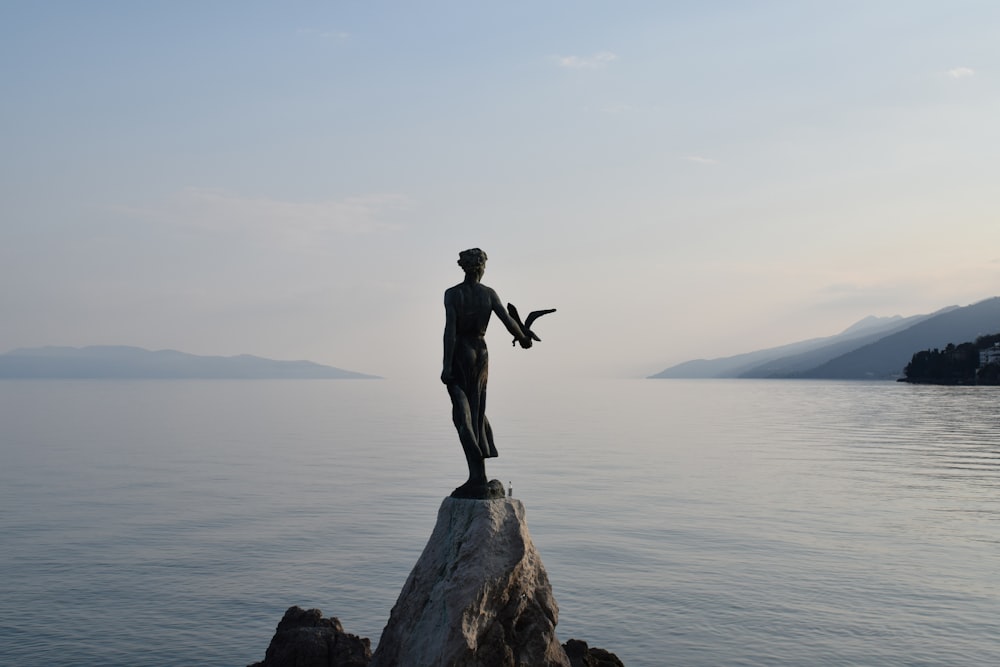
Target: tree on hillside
point(990, 340)
point(952, 365)
point(955, 364)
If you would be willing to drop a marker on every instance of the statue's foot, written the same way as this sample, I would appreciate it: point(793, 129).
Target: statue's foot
point(480, 490)
point(475, 490)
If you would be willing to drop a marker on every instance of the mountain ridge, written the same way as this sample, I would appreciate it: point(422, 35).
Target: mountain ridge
point(764, 363)
point(871, 349)
point(124, 361)
point(885, 358)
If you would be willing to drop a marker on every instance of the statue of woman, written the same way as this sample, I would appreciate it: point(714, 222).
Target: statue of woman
point(468, 307)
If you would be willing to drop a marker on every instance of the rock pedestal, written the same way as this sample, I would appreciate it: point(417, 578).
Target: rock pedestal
point(478, 595)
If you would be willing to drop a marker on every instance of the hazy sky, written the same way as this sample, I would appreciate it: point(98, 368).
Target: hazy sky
point(680, 179)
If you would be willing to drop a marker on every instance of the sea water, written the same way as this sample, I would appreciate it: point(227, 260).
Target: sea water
point(708, 522)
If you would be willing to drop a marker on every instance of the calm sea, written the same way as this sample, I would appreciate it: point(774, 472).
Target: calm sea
point(681, 522)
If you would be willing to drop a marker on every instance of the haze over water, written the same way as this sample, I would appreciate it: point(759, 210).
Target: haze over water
point(681, 522)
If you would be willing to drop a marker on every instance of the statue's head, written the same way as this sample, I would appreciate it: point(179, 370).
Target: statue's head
point(472, 260)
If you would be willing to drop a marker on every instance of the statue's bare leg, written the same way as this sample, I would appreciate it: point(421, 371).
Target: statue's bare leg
point(461, 415)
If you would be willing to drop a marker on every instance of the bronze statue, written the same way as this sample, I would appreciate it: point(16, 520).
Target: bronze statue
point(468, 307)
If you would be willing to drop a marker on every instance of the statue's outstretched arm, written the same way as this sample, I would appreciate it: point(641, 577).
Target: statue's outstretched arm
point(512, 326)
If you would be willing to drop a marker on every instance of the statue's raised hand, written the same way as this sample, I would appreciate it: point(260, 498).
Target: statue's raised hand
point(525, 326)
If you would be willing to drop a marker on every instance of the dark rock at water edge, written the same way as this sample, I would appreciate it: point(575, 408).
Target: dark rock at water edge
point(306, 639)
point(581, 655)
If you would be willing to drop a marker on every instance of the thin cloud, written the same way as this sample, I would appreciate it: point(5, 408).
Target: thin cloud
point(273, 220)
point(333, 35)
point(698, 159)
point(961, 72)
point(617, 108)
point(595, 61)
point(876, 297)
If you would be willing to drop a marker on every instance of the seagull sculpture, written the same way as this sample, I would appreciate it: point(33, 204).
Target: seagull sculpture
point(526, 325)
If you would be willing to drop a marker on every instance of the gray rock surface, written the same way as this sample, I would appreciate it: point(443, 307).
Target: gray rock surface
point(478, 595)
point(306, 639)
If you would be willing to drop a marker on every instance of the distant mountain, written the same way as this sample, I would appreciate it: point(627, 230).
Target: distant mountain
point(885, 358)
point(788, 359)
point(106, 361)
point(851, 339)
point(873, 322)
point(872, 349)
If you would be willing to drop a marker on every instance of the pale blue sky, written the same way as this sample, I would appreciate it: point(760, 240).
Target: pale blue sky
point(680, 179)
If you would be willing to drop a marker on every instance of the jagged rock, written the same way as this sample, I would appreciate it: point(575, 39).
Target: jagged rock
point(478, 595)
point(581, 655)
point(306, 639)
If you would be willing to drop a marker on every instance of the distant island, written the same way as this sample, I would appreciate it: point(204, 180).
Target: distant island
point(117, 361)
point(967, 363)
point(873, 349)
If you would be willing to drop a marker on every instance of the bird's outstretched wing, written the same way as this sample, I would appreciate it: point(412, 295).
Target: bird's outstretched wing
point(513, 313)
point(526, 325)
point(535, 314)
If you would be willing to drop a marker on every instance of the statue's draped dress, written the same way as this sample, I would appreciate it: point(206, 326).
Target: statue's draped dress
point(470, 361)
